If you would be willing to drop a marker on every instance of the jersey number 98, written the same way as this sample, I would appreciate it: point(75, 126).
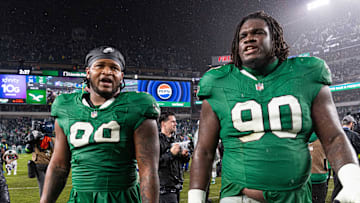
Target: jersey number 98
point(86, 129)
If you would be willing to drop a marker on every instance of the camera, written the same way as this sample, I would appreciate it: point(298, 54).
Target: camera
point(30, 140)
point(40, 130)
point(188, 145)
point(45, 127)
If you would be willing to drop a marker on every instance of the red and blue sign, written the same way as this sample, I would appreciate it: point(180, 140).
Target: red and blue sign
point(166, 91)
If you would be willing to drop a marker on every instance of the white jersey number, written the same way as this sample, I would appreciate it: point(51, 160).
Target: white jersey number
point(86, 129)
point(256, 124)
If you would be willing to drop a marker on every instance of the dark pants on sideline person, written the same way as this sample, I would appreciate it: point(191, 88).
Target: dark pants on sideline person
point(319, 192)
point(169, 195)
point(40, 176)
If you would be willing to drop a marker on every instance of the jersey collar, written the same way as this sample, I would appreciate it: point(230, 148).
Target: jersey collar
point(255, 74)
point(103, 106)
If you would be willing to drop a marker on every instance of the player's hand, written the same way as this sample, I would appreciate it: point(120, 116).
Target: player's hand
point(175, 149)
point(349, 176)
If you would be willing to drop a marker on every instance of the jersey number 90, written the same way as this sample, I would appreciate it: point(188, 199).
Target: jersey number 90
point(256, 125)
point(86, 129)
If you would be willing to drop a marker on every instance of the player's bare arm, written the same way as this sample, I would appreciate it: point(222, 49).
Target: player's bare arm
point(147, 154)
point(205, 149)
point(331, 134)
point(338, 149)
point(58, 169)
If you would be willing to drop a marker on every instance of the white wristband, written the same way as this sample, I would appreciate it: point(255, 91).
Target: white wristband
point(196, 196)
point(348, 174)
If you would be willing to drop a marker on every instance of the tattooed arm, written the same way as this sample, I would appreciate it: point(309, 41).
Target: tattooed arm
point(147, 154)
point(58, 170)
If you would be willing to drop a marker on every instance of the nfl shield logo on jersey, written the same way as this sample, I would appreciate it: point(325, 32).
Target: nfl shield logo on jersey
point(94, 114)
point(259, 86)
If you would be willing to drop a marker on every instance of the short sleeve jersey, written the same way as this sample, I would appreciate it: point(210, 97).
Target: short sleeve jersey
point(265, 123)
point(101, 138)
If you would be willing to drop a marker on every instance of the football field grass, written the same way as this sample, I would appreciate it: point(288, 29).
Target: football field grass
point(25, 190)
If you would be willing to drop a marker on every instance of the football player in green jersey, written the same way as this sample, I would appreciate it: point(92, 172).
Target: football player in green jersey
point(264, 108)
point(102, 134)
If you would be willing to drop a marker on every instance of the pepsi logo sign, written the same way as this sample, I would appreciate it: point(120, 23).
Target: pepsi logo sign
point(164, 91)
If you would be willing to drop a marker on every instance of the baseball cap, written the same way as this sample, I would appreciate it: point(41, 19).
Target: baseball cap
point(348, 118)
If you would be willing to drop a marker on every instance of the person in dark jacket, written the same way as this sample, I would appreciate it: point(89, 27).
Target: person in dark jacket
point(173, 154)
point(348, 124)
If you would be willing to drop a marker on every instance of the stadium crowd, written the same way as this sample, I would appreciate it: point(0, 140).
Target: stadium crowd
point(14, 130)
point(346, 96)
point(55, 39)
point(337, 42)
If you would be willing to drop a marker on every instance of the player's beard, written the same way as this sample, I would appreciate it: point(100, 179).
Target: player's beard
point(105, 94)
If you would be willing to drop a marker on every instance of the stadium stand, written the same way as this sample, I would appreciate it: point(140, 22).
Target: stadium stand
point(44, 38)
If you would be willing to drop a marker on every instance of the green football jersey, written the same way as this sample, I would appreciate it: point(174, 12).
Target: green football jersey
point(101, 138)
point(265, 122)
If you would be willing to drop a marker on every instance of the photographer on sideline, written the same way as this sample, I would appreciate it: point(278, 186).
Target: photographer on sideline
point(172, 156)
point(40, 142)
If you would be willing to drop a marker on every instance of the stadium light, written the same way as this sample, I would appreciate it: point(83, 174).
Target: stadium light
point(317, 3)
